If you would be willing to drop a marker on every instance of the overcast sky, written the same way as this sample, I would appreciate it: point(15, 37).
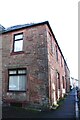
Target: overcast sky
point(62, 16)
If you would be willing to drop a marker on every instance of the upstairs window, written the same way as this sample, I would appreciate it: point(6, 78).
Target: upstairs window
point(17, 80)
point(51, 42)
point(18, 42)
point(56, 54)
point(61, 62)
point(52, 46)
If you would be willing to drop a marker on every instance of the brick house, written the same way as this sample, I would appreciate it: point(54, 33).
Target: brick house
point(33, 67)
point(1, 29)
point(67, 78)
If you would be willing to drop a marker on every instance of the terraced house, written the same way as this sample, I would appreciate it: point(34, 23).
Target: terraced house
point(34, 71)
point(1, 28)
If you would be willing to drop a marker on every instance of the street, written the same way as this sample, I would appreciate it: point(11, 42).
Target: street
point(66, 110)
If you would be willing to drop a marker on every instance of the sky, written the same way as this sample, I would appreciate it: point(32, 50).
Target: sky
point(62, 16)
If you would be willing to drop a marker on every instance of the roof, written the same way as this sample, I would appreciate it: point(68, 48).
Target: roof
point(17, 27)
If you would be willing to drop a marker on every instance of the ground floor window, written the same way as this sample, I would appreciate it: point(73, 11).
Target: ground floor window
point(17, 80)
point(58, 80)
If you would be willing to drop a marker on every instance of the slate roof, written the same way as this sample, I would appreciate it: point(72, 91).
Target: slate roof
point(17, 27)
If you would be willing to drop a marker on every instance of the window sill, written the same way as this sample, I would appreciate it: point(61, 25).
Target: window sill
point(16, 91)
point(15, 53)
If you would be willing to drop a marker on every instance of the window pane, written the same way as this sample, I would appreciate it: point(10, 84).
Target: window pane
point(13, 83)
point(18, 46)
point(20, 36)
point(22, 82)
point(17, 82)
point(21, 71)
point(12, 72)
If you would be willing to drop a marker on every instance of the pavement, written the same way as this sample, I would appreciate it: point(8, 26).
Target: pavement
point(67, 110)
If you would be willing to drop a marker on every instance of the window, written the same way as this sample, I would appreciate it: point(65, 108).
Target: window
point(56, 54)
point(58, 78)
point(52, 46)
point(18, 42)
point(63, 81)
point(51, 42)
point(17, 80)
point(61, 61)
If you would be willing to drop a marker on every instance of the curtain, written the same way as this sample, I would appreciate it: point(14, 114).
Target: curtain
point(17, 82)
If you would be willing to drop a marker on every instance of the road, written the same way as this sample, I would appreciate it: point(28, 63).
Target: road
point(66, 110)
